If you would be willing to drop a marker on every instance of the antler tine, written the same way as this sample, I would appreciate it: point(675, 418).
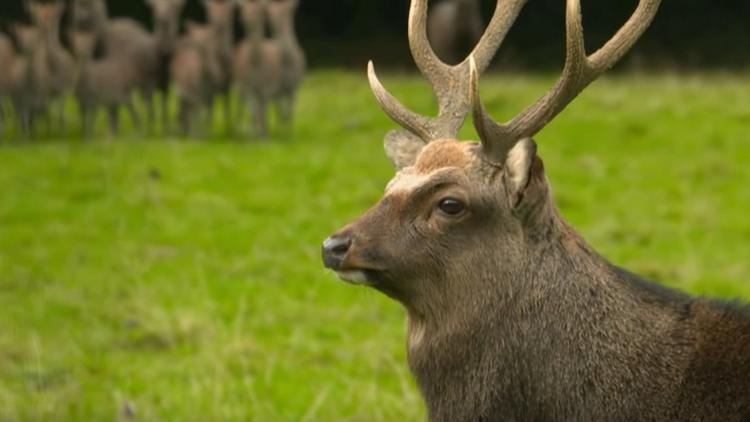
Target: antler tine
point(415, 123)
point(579, 72)
point(434, 69)
point(449, 83)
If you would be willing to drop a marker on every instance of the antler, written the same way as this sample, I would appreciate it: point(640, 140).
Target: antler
point(580, 71)
point(450, 83)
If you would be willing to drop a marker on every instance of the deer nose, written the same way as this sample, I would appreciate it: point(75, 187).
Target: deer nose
point(334, 251)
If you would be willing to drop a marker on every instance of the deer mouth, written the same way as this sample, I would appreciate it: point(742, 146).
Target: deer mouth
point(360, 277)
point(357, 277)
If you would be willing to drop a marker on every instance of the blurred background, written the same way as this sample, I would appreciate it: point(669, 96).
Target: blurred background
point(153, 276)
point(685, 34)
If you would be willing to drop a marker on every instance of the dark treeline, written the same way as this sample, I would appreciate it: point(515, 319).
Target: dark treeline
point(686, 33)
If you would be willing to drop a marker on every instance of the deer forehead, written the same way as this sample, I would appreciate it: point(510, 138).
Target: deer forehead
point(437, 157)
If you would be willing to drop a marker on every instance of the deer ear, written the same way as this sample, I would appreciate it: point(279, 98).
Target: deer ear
point(518, 168)
point(403, 147)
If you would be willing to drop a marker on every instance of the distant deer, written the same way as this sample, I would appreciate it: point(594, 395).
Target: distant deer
point(202, 64)
point(194, 76)
point(47, 17)
point(453, 27)
point(102, 83)
point(511, 315)
point(269, 70)
point(30, 80)
point(166, 16)
point(221, 16)
point(281, 18)
point(258, 65)
point(124, 38)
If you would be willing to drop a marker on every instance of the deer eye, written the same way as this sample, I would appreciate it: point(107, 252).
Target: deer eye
point(452, 207)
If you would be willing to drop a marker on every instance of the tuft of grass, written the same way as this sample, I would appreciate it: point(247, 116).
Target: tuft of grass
point(181, 280)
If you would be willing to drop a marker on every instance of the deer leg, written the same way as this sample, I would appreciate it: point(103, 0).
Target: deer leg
point(87, 121)
point(260, 117)
point(2, 118)
point(148, 100)
point(208, 111)
point(286, 112)
point(228, 111)
point(31, 123)
point(134, 117)
point(46, 117)
point(21, 118)
point(114, 120)
point(184, 117)
point(165, 111)
point(244, 112)
point(60, 110)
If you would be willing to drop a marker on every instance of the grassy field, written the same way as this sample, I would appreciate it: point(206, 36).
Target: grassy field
point(181, 280)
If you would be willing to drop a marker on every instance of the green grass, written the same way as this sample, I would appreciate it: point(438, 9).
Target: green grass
point(183, 278)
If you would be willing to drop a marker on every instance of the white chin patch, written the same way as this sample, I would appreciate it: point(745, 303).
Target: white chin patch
point(354, 277)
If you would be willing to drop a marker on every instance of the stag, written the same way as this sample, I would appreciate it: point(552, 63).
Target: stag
point(453, 27)
point(510, 314)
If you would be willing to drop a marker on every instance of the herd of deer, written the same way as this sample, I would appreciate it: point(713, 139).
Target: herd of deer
point(112, 60)
point(511, 316)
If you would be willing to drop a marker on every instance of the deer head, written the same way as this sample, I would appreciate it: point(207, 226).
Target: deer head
point(89, 14)
point(83, 43)
point(461, 220)
point(281, 15)
point(166, 15)
point(46, 15)
point(28, 37)
point(220, 13)
point(251, 13)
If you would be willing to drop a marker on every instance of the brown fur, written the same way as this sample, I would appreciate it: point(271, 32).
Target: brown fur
point(442, 154)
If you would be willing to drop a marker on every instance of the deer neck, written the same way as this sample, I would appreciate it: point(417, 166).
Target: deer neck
point(101, 19)
point(286, 35)
point(167, 34)
point(83, 70)
point(223, 35)
point(547, 315)
point(255, 32)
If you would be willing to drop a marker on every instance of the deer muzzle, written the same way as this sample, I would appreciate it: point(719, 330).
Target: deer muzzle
point(334, 251)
